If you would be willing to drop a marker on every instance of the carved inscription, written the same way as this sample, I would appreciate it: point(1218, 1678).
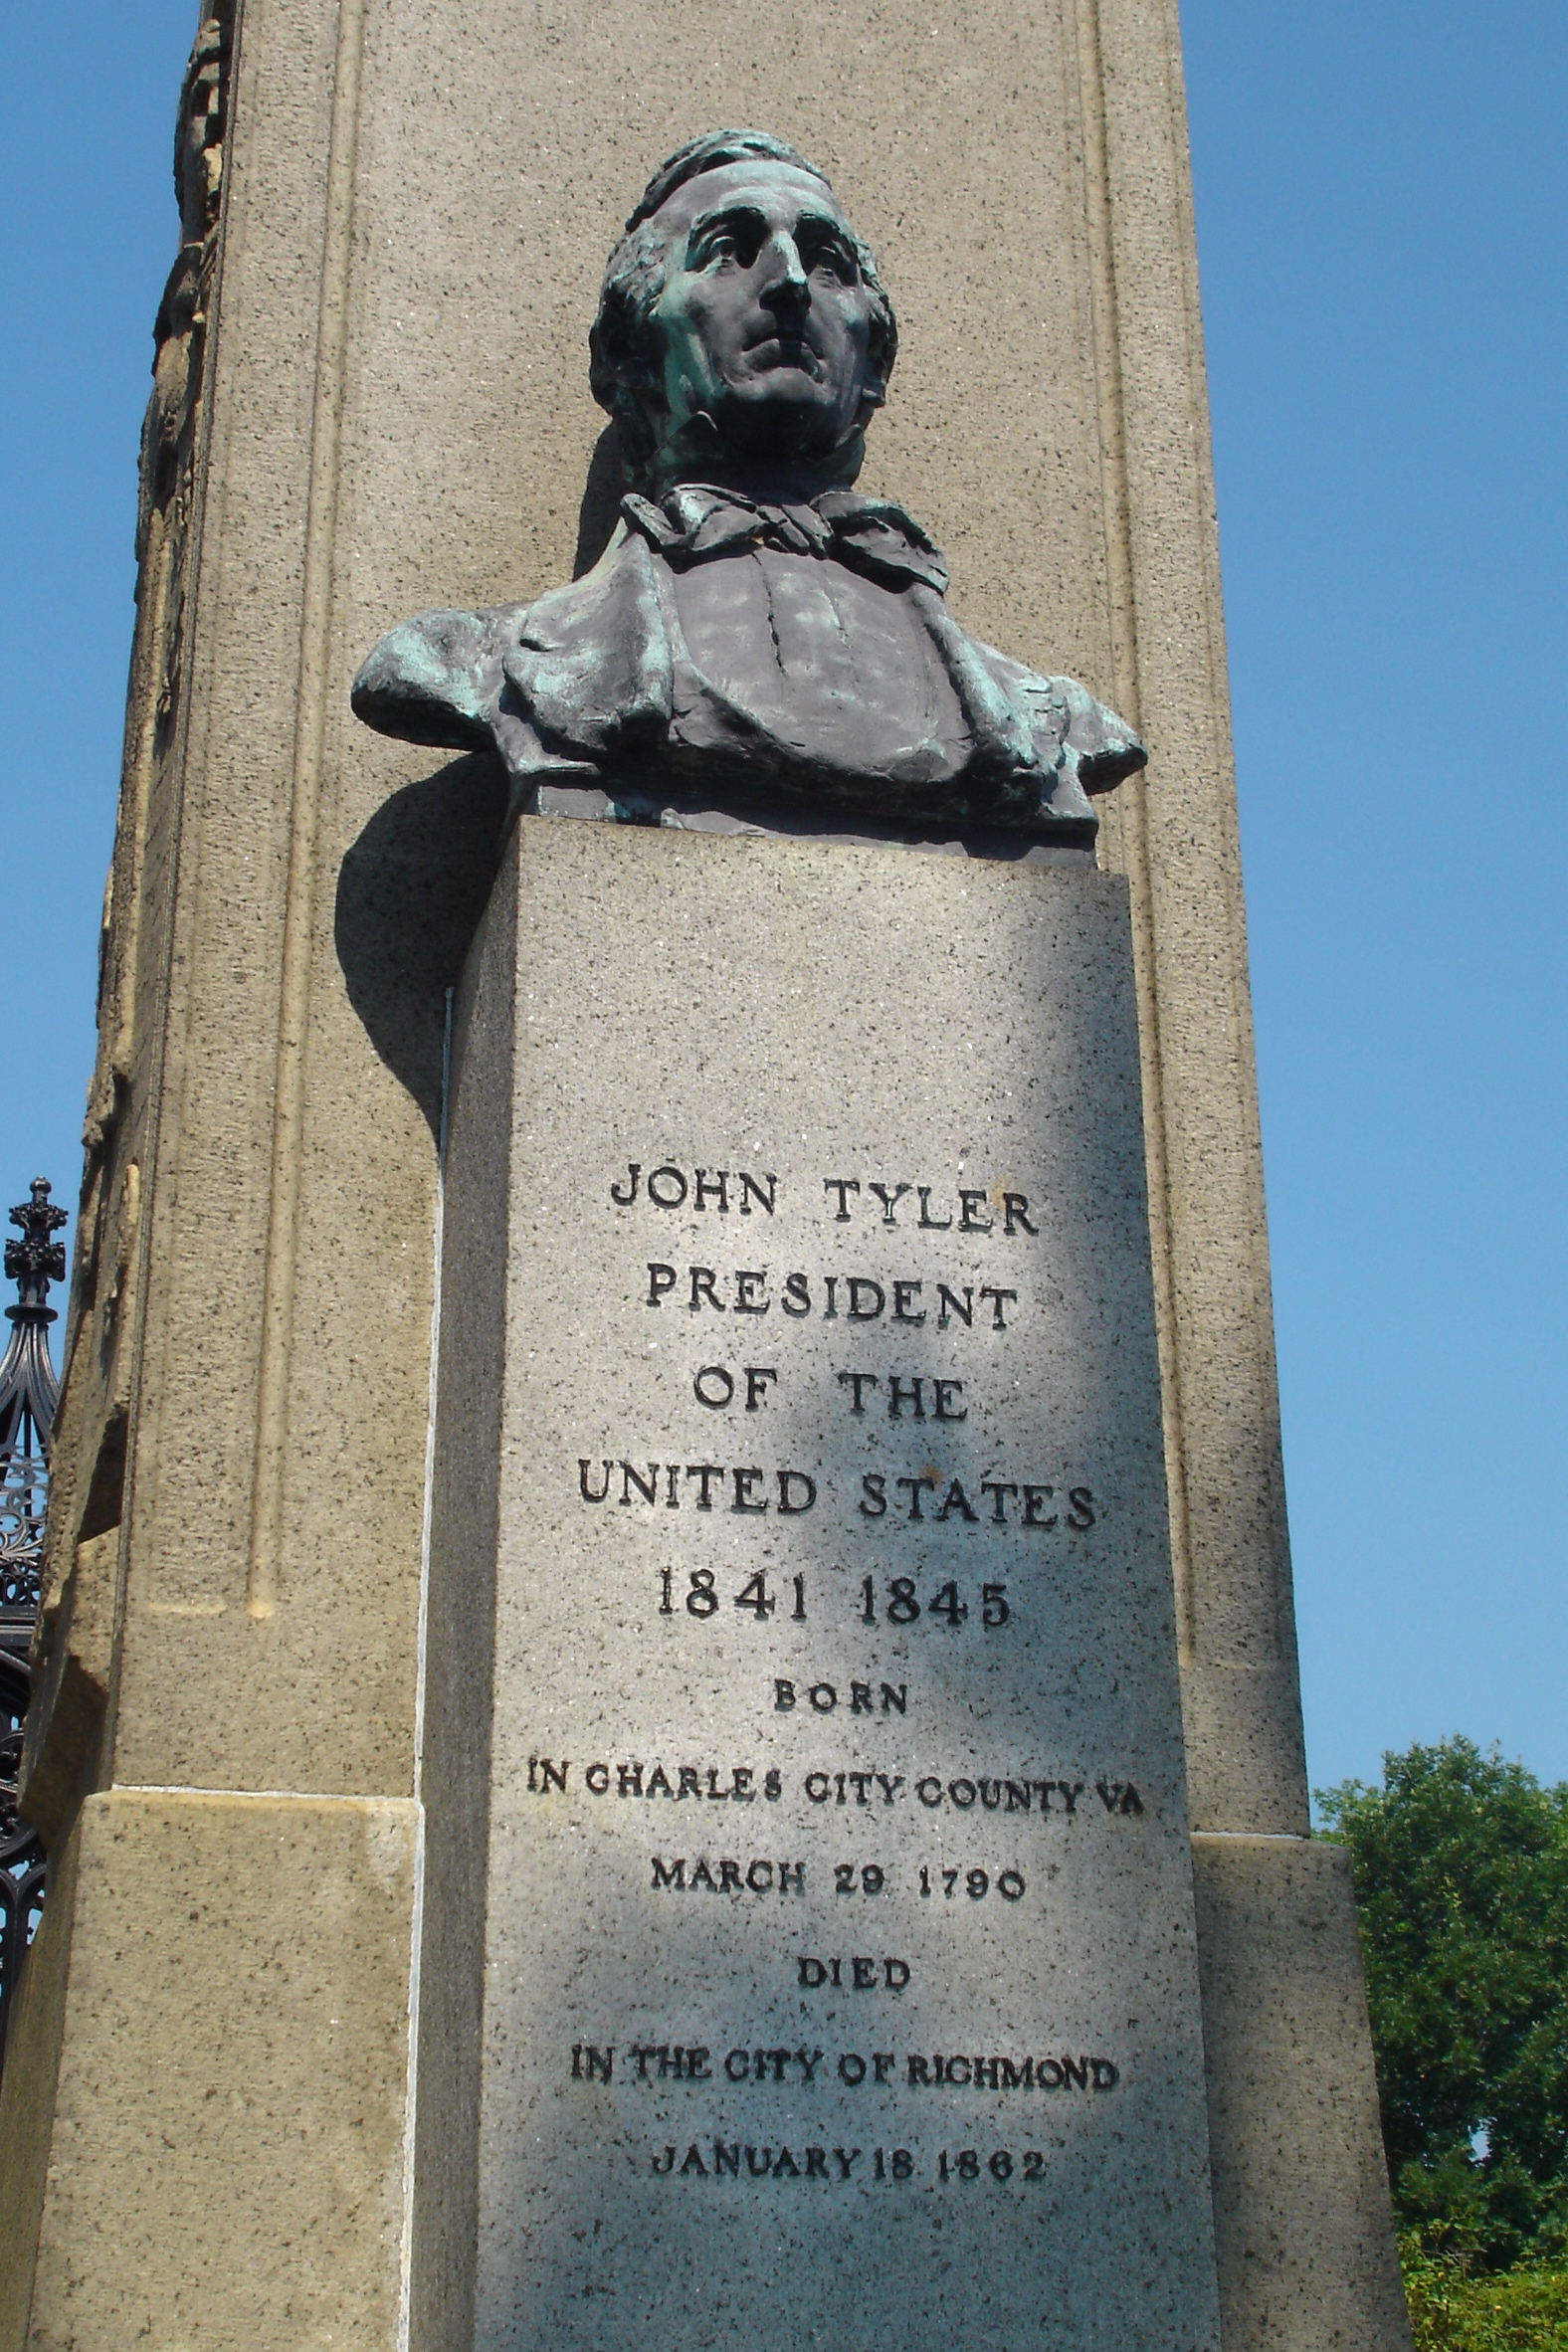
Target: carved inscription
point(837, 1809)
point(694, 2063)
point(845, 1574)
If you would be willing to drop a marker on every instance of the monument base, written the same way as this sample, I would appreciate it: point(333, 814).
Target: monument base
point(203, 2128)
point(1302, 2228)
point(811, 1946)
point(733, 1000)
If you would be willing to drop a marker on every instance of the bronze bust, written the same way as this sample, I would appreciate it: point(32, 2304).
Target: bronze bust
point(759, 647)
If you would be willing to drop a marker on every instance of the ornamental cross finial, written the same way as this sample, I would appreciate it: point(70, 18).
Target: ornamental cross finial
point(37, 1259)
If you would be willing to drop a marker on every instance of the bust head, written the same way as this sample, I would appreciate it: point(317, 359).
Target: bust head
point(743, 335)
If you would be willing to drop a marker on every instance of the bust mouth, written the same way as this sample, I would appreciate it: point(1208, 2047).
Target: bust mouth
point(771, 350)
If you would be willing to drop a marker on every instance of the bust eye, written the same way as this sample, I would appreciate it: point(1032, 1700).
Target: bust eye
point(828, 259)
point(728, 243)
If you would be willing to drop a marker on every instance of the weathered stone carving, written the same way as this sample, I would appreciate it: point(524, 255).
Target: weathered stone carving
point(757, 638)
point(71, 1673)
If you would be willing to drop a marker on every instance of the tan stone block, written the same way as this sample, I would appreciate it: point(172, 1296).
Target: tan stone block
point(1301, 2218)
point(226, 2157)
point(34, 2036)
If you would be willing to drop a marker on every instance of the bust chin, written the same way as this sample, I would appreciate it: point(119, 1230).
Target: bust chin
point(759, 646)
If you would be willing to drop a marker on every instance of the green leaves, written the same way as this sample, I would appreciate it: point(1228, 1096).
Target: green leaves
point(1525, 2310)
point(1461, 1865)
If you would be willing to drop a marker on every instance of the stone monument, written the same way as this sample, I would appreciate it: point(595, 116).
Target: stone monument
point(668, 1696)
point(798, 1444)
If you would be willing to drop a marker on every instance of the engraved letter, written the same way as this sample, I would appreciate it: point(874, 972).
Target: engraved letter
point(955, 1499)
point(745, 1479)
point(1016, 1204)
point(629, 1478)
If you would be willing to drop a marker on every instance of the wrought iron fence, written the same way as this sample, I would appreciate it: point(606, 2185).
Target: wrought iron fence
point(28, 1392)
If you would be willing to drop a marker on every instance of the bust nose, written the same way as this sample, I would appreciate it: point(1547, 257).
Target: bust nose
point(784, 283)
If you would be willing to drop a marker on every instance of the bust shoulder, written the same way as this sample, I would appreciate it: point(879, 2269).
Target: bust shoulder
point(582, 662)
point(436, 679)
point(1072, 730)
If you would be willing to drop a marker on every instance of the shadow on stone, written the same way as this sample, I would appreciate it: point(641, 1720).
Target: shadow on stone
point(600, 509)
point(410, 893)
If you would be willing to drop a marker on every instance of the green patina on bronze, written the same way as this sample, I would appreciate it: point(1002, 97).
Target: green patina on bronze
point(758, 646)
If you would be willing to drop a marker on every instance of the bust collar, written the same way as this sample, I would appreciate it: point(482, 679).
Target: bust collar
point(695, 523)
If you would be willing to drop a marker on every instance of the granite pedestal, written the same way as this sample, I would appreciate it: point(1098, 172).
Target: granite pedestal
point(817, 1808)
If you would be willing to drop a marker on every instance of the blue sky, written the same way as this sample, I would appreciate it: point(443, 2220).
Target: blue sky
point(1381, 227)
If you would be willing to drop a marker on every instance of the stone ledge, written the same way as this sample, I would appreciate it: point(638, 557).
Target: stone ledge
point(225, 2159)
point(1302, 2215)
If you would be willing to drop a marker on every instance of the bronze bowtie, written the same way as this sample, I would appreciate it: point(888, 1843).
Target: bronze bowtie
point(870, 535)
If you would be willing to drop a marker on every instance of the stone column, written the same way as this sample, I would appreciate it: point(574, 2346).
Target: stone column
point(371, 396)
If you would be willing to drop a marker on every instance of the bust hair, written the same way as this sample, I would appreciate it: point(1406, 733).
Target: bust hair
point(626, 372)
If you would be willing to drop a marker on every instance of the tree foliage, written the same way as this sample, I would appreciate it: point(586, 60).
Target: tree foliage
point(1461, 1865)
point(1523, 2310)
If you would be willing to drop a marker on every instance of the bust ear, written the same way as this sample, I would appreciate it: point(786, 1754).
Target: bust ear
point(625, 370)
point(881, 349)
